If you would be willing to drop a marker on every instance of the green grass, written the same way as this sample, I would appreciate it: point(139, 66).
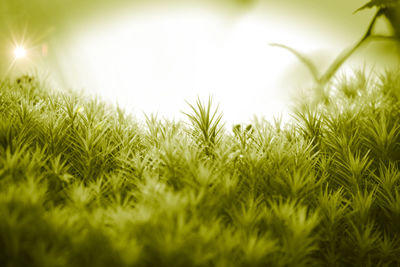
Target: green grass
point(82, 183)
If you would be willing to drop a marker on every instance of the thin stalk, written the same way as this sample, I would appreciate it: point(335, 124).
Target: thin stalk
point(348, 52)
point(322, 80)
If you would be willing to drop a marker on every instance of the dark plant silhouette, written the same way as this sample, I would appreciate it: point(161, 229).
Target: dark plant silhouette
point(387, 8)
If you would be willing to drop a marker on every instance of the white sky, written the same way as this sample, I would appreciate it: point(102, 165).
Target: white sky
point(152, 61)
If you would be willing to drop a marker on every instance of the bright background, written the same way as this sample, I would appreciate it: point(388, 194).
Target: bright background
point(151, 56)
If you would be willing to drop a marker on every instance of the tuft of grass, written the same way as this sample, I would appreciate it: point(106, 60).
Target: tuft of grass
point(206, 124)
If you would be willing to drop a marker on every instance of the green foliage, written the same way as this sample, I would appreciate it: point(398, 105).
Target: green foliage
point(84, 184)
point(206, 125)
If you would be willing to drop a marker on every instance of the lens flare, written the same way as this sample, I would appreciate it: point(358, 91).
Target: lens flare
point(19, 52)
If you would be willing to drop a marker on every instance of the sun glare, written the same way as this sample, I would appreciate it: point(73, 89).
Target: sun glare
point(19, 52)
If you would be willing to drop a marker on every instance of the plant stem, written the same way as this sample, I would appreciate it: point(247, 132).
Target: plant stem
point(348, 52)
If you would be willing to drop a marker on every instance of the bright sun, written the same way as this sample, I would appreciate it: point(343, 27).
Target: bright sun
point(19, 52)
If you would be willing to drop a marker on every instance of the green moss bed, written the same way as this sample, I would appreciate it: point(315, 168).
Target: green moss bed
point(83, 183)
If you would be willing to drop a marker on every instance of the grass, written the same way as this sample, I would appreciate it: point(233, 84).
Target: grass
point(82, 183)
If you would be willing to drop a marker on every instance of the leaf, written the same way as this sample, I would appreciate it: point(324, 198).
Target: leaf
point(379, 4)
point(304, 59)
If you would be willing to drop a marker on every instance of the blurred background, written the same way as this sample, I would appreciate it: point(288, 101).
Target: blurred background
point(150, 56)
